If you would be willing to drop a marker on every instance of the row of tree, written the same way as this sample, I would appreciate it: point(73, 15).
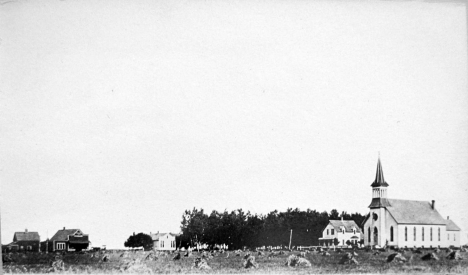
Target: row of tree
point(239, 229)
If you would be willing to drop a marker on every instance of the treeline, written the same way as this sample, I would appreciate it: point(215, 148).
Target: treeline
point(239, 229)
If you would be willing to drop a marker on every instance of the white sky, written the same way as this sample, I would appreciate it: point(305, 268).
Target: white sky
point(116, 116)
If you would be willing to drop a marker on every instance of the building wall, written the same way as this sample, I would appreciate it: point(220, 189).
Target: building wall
point(166, 242)
point(33, 246)
point(419, 242)
point(452, 238)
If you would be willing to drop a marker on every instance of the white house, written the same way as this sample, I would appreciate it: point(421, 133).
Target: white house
point(407, 223)
point(343, 231)
point(164, 241)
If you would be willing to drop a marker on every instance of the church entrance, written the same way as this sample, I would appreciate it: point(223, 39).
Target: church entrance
point(376, 236)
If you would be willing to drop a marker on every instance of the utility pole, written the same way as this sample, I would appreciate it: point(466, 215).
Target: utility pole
point(290, 238)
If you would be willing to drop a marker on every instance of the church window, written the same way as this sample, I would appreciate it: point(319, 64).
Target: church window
point(406, 234)
point(430, 235)
point(414, 233)
point(438, 233)
point(376, 235)
point(422, 234)
point(391, 233)
point(368, 233)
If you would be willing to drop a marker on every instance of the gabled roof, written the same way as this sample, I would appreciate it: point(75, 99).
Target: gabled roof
point(62, 235)
point(451, 226)
point(347, 224)
point(158, 236)
point(414, 212)
point(379, 178)
point(26, 236)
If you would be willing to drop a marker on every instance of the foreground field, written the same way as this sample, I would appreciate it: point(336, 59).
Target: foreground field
point(138, 262)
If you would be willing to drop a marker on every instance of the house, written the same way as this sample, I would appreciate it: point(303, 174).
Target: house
point(26, 241)
point(67, 240)
point(405, 223)
point(346, 232)
point(164, 241)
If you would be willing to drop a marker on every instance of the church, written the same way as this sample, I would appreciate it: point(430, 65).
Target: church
point(405, 223)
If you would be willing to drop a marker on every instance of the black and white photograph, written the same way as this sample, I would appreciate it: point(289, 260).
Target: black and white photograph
point(234, 136)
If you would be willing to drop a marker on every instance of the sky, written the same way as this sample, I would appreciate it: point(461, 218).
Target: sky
point(117, 116)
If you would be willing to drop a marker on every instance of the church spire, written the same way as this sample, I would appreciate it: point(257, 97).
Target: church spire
point(379, 189)
point(379, 178)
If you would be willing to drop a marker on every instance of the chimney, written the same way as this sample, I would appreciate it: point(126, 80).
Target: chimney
point(448, 217)
point(64, 228)
point(26, 230)
point(433, 204)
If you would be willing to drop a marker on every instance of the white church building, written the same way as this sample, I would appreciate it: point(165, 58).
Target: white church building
point(405, 223)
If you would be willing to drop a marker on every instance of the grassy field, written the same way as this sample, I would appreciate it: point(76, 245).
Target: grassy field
point(135, 262)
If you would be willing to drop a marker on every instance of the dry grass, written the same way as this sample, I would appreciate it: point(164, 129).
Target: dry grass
point(136, 263)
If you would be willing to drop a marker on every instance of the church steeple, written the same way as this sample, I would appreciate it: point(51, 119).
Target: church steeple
point(379, 189)
point(379, 178)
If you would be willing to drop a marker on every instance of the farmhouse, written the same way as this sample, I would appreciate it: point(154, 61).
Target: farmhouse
point(26, 241)
point(403, 223)
point(346, 232)
point(67, 240)
point(164, 241)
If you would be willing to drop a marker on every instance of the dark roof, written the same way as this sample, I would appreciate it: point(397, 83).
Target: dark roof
point(379, 178)
point(414, 212)
point(157, 236)
point(62, 235)
point(348, 225)
point(451, 226)
point(26, 236)
point(379, 202)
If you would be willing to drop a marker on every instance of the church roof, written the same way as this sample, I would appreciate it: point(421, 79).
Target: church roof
point(347, 224)
point(379, 178)
point(451, 226)
point(414, 212)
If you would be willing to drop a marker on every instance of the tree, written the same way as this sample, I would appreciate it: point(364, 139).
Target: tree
point(139, 240)
point(335, 241)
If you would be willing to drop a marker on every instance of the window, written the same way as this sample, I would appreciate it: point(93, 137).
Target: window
point(430, 235)
point(438, 233)
point(60, 246)
point(454, 238)
point(354, 230)
point(414, 233)
point(333, 231)
point(448, 238)
point(368, 233)
point(423, 234)
point(162, 243)
point(391, 233)
point(406, 234)
point(28, 247)
point(343, 230)
point(327, 231)
point(376, 235)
